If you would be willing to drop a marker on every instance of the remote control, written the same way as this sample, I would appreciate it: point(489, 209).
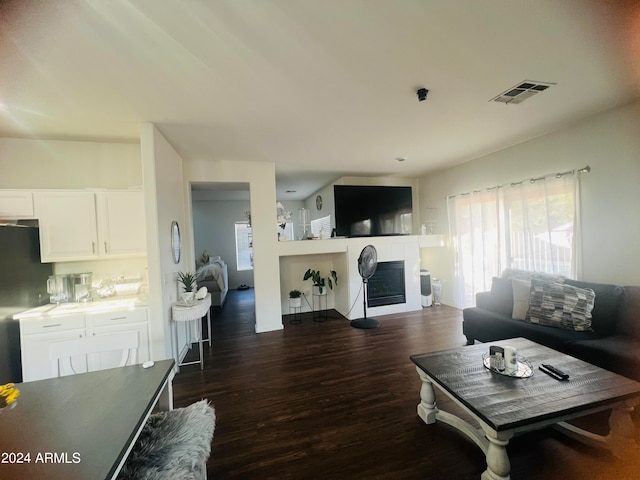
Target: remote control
point(554, 372)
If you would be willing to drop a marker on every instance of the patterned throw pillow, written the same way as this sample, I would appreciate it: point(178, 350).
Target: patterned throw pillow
point(561, 305)
point(511, 273)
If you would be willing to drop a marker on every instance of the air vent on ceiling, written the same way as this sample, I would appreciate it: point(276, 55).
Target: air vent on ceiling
point(520, 92)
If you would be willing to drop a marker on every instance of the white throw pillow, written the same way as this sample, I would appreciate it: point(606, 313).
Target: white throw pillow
point(521, 293)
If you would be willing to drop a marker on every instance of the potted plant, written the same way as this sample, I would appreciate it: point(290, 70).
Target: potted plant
point(294, 298)
point(188, 281)
point(319, 281)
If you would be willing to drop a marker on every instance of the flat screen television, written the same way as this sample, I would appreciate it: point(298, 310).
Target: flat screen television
point(368, 210)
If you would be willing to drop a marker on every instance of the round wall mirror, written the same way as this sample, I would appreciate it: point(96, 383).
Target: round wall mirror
point(175, 241)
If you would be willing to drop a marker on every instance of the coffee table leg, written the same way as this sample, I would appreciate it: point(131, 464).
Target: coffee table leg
point(427, 408)
point(621, 429)
point(498, 465)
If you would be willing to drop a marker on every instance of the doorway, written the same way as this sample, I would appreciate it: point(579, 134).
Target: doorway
point(218, 210)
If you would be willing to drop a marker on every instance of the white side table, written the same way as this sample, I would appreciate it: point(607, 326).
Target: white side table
point(192, 313)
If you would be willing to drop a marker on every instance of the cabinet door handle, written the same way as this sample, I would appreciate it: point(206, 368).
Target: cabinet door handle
point(93, 247)
point(118, 318)
point(52, 325)
point(106, 249)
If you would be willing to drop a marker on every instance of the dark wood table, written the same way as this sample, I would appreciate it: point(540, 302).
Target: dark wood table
point(505, 406)
point(81, 426)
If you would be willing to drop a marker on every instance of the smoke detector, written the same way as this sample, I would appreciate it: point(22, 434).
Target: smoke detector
point(521, 92)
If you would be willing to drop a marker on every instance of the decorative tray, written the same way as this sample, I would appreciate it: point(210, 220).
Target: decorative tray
point(524, 370)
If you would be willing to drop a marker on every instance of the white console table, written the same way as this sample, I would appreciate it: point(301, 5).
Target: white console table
point(192, 313)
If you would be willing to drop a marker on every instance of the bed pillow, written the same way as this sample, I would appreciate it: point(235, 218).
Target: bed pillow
point(521, 294)
point(561, 305)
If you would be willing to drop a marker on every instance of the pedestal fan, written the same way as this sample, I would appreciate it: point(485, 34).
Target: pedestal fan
point(367, 263)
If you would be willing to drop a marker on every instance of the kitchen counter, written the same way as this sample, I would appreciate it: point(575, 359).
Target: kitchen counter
point(102, 305)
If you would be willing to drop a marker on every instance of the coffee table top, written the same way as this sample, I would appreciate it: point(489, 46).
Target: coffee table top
point(506, 402)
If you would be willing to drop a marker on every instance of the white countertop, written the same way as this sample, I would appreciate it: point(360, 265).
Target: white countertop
point(103, 305)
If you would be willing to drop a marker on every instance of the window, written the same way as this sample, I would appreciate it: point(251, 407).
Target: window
point(526, 225)
point(321, 224)
point(244, 244)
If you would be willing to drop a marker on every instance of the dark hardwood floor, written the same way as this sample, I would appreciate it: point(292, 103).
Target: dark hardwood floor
point(324, 400)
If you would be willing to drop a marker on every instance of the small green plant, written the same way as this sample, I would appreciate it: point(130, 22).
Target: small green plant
point(188, 280)
point(319, 280)
point(295, 294)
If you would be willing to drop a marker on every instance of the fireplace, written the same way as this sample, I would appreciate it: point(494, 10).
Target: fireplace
point(386, 286)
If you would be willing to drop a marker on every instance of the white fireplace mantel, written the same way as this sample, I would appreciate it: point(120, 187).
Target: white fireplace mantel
point(344, 252)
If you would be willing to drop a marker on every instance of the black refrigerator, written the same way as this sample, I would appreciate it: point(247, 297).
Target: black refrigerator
point(23, 285)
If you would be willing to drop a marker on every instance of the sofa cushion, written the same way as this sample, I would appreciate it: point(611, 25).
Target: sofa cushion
point(618, 353)
point(501, 296)
point(559, 305)
point(629, 313)
point(521, 294)
point(606, 304)
point(487, 326)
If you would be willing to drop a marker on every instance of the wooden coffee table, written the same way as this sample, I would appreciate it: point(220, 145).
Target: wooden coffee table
point(505, 406)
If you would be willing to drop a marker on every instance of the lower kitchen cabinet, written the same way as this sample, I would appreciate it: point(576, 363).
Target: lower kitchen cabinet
point(37, 334)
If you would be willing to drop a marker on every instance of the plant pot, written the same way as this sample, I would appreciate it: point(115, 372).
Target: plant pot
point(295, 302)
point(188, 297)
point(319, 290)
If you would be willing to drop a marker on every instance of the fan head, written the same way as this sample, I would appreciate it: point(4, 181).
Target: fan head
point(367, 262)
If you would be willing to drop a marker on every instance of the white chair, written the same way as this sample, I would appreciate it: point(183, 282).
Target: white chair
point(61, 353)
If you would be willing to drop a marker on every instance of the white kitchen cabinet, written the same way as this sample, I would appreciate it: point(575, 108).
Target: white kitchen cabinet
point(68, 227)
point(119, 321)
point(121, 224)
point(38, 333)
point(16, 204)
point(90, 225)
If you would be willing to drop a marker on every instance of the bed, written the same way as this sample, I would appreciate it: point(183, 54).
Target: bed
point(215, 276)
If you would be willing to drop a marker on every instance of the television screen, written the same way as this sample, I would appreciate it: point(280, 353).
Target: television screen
point(367, 210)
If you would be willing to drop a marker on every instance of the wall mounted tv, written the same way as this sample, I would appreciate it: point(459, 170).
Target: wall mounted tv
point(368, 211)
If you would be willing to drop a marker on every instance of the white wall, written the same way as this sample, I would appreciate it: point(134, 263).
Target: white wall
point(609, 143)
point(262, 186)
point(164, 203)
point(32, 164)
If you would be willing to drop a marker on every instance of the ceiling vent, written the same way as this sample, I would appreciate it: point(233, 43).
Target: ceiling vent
point(522, 91)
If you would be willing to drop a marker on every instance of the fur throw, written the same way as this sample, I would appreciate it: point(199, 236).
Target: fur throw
point(173, 445)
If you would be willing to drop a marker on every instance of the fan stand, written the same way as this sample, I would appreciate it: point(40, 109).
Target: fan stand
point(365, 322)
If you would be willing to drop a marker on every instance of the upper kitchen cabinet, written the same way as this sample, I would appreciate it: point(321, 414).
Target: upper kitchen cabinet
point(68, 226)
point(121, 224)
point(16, 204)
point(90, 225)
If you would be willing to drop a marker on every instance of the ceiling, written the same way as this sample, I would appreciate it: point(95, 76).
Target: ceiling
point(321, 88)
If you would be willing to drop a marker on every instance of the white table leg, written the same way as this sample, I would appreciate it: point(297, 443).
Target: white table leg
point(427, 408)
point(176, 350)
point(622, 432)
point(165, 401)
point(498, 465)
point(209, 326)
point(200, 343)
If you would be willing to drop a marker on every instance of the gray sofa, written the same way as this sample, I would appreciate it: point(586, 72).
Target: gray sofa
point(612, 341)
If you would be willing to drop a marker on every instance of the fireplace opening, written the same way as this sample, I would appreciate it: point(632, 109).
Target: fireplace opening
point(386, 286)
